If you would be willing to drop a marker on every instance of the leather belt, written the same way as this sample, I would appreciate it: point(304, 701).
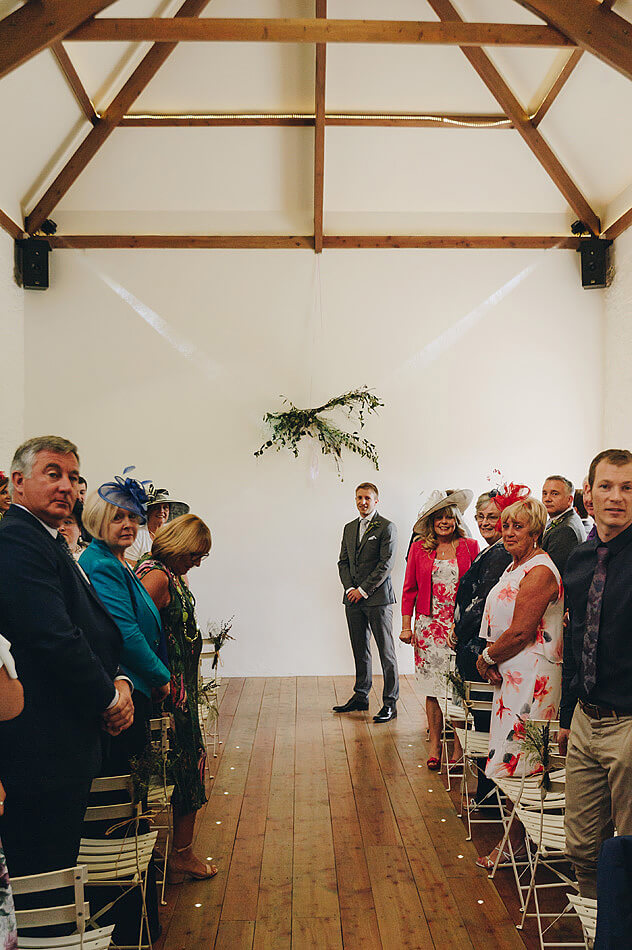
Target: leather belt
point(598, 712)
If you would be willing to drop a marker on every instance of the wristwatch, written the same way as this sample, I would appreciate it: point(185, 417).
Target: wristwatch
point(487, 657)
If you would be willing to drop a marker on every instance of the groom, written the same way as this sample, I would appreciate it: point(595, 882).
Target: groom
point(366, 560)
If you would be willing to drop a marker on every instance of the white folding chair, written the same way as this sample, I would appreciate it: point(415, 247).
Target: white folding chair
point(452, 712)
point(527, 792)
point(76, 913)
point(159, 798)
point(586, 910)
point(120, 862)
point(475, 744)
point(209, 684)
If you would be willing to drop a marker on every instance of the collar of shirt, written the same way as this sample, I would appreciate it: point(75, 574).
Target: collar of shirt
point(52, 531)
point(553, 522)
point(616, 544)
point(368, 519)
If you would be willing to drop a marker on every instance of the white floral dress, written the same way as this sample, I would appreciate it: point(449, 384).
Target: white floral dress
point(532, 680)
point(431, 633)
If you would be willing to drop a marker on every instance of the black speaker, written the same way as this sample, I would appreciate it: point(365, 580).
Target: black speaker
point(594, 254)
point(31, 263)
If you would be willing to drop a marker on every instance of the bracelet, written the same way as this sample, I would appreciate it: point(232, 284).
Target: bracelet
point(487, 657)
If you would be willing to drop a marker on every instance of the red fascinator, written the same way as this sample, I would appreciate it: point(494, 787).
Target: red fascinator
point(509, 493)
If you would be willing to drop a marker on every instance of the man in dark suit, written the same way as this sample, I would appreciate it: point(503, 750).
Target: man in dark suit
point(366, 560)
point(66, 648)
point(565, 529)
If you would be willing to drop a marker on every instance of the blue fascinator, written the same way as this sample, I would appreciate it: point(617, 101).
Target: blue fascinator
point(127, 493)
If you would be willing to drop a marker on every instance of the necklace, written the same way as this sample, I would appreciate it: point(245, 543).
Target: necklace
point(453, 545)
point(187, 603)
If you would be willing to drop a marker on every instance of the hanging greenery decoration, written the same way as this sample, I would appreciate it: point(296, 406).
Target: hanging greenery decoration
point(289, 427)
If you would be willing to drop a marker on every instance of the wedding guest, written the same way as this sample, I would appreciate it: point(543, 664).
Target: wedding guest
point(112, 515)
point(160, 508)
point(11, 705)
point(179, 546)
point(564, 530)
point(438, 558)
point(472, 592)
point(66, 647)
point(82, 489)
point(597, 680)
point(5, 499)
point(522, 623)
point(71, 529)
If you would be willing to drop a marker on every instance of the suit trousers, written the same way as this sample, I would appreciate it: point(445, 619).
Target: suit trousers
point(363, 620)
point(40, 831)
point(598, 783)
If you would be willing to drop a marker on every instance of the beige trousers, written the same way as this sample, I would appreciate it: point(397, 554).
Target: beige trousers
point(598, 790)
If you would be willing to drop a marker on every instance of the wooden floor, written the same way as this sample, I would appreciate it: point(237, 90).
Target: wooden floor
point(330, 832)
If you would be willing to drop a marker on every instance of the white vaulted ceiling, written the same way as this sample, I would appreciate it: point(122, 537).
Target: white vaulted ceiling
point(377, 180)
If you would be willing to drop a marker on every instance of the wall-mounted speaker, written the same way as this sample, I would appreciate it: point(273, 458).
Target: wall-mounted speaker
point(31, 263)
point(594, 257)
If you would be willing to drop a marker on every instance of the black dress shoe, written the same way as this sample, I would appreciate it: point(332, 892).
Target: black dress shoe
point(385, 714)
point(354, 704)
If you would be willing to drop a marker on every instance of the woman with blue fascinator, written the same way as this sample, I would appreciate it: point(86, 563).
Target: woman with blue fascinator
point(112, 515)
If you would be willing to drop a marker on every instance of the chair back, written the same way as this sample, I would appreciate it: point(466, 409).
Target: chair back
point(43, 916)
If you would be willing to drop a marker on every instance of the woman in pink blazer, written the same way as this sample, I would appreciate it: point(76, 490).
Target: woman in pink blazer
point(437, 560)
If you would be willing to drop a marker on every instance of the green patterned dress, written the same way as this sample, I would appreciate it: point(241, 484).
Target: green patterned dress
point(184, 645)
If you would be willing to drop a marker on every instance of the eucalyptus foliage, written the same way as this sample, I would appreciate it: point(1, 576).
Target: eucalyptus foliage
point(294, 424)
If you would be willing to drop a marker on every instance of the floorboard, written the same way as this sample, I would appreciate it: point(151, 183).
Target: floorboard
point(330, 832)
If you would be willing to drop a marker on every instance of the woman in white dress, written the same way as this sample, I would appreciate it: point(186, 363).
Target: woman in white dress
point(523, 624)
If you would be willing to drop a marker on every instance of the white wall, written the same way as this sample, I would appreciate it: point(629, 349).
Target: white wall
point(11, 355)
point(168, 359)
point(618, 347)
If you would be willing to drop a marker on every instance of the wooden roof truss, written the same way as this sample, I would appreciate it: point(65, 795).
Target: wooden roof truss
point(585, 25)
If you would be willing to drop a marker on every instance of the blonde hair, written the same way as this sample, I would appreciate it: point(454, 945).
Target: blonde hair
point(427, 534)
point(184, 535)
point(534, 511)
point(98, 515)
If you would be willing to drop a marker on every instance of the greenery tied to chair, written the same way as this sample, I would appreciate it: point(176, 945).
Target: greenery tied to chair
point(294, 424)
point(536, 749)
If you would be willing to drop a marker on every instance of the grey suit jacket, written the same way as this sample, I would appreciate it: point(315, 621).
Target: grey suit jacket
point(369, 564)
point(562, 536)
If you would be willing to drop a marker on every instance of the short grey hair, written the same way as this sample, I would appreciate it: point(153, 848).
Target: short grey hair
point(24, 457)
point(484, 499)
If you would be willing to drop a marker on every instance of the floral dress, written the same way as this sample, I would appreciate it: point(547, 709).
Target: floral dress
point(187, 758)
point(532, 680)
point(8, 933)
point(431, 633)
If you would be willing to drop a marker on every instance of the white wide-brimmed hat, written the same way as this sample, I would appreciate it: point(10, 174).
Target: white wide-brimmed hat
point(438, 499)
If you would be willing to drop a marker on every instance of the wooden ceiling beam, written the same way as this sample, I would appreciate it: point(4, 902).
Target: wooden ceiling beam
point(510, 105)
point(591, 25)
point(72, 77)
point(260, 241)
point(562, 78)
point(403, 120)
point(619, 226)
point(315, 30)
point(8, 224)
point(101, 131)
point(35, 26)
point(319, 133)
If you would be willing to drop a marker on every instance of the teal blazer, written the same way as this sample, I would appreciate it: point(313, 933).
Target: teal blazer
point(134, 613)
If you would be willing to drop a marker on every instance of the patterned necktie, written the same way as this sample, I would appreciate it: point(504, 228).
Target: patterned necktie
point(593, 617)
point(63, 544)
